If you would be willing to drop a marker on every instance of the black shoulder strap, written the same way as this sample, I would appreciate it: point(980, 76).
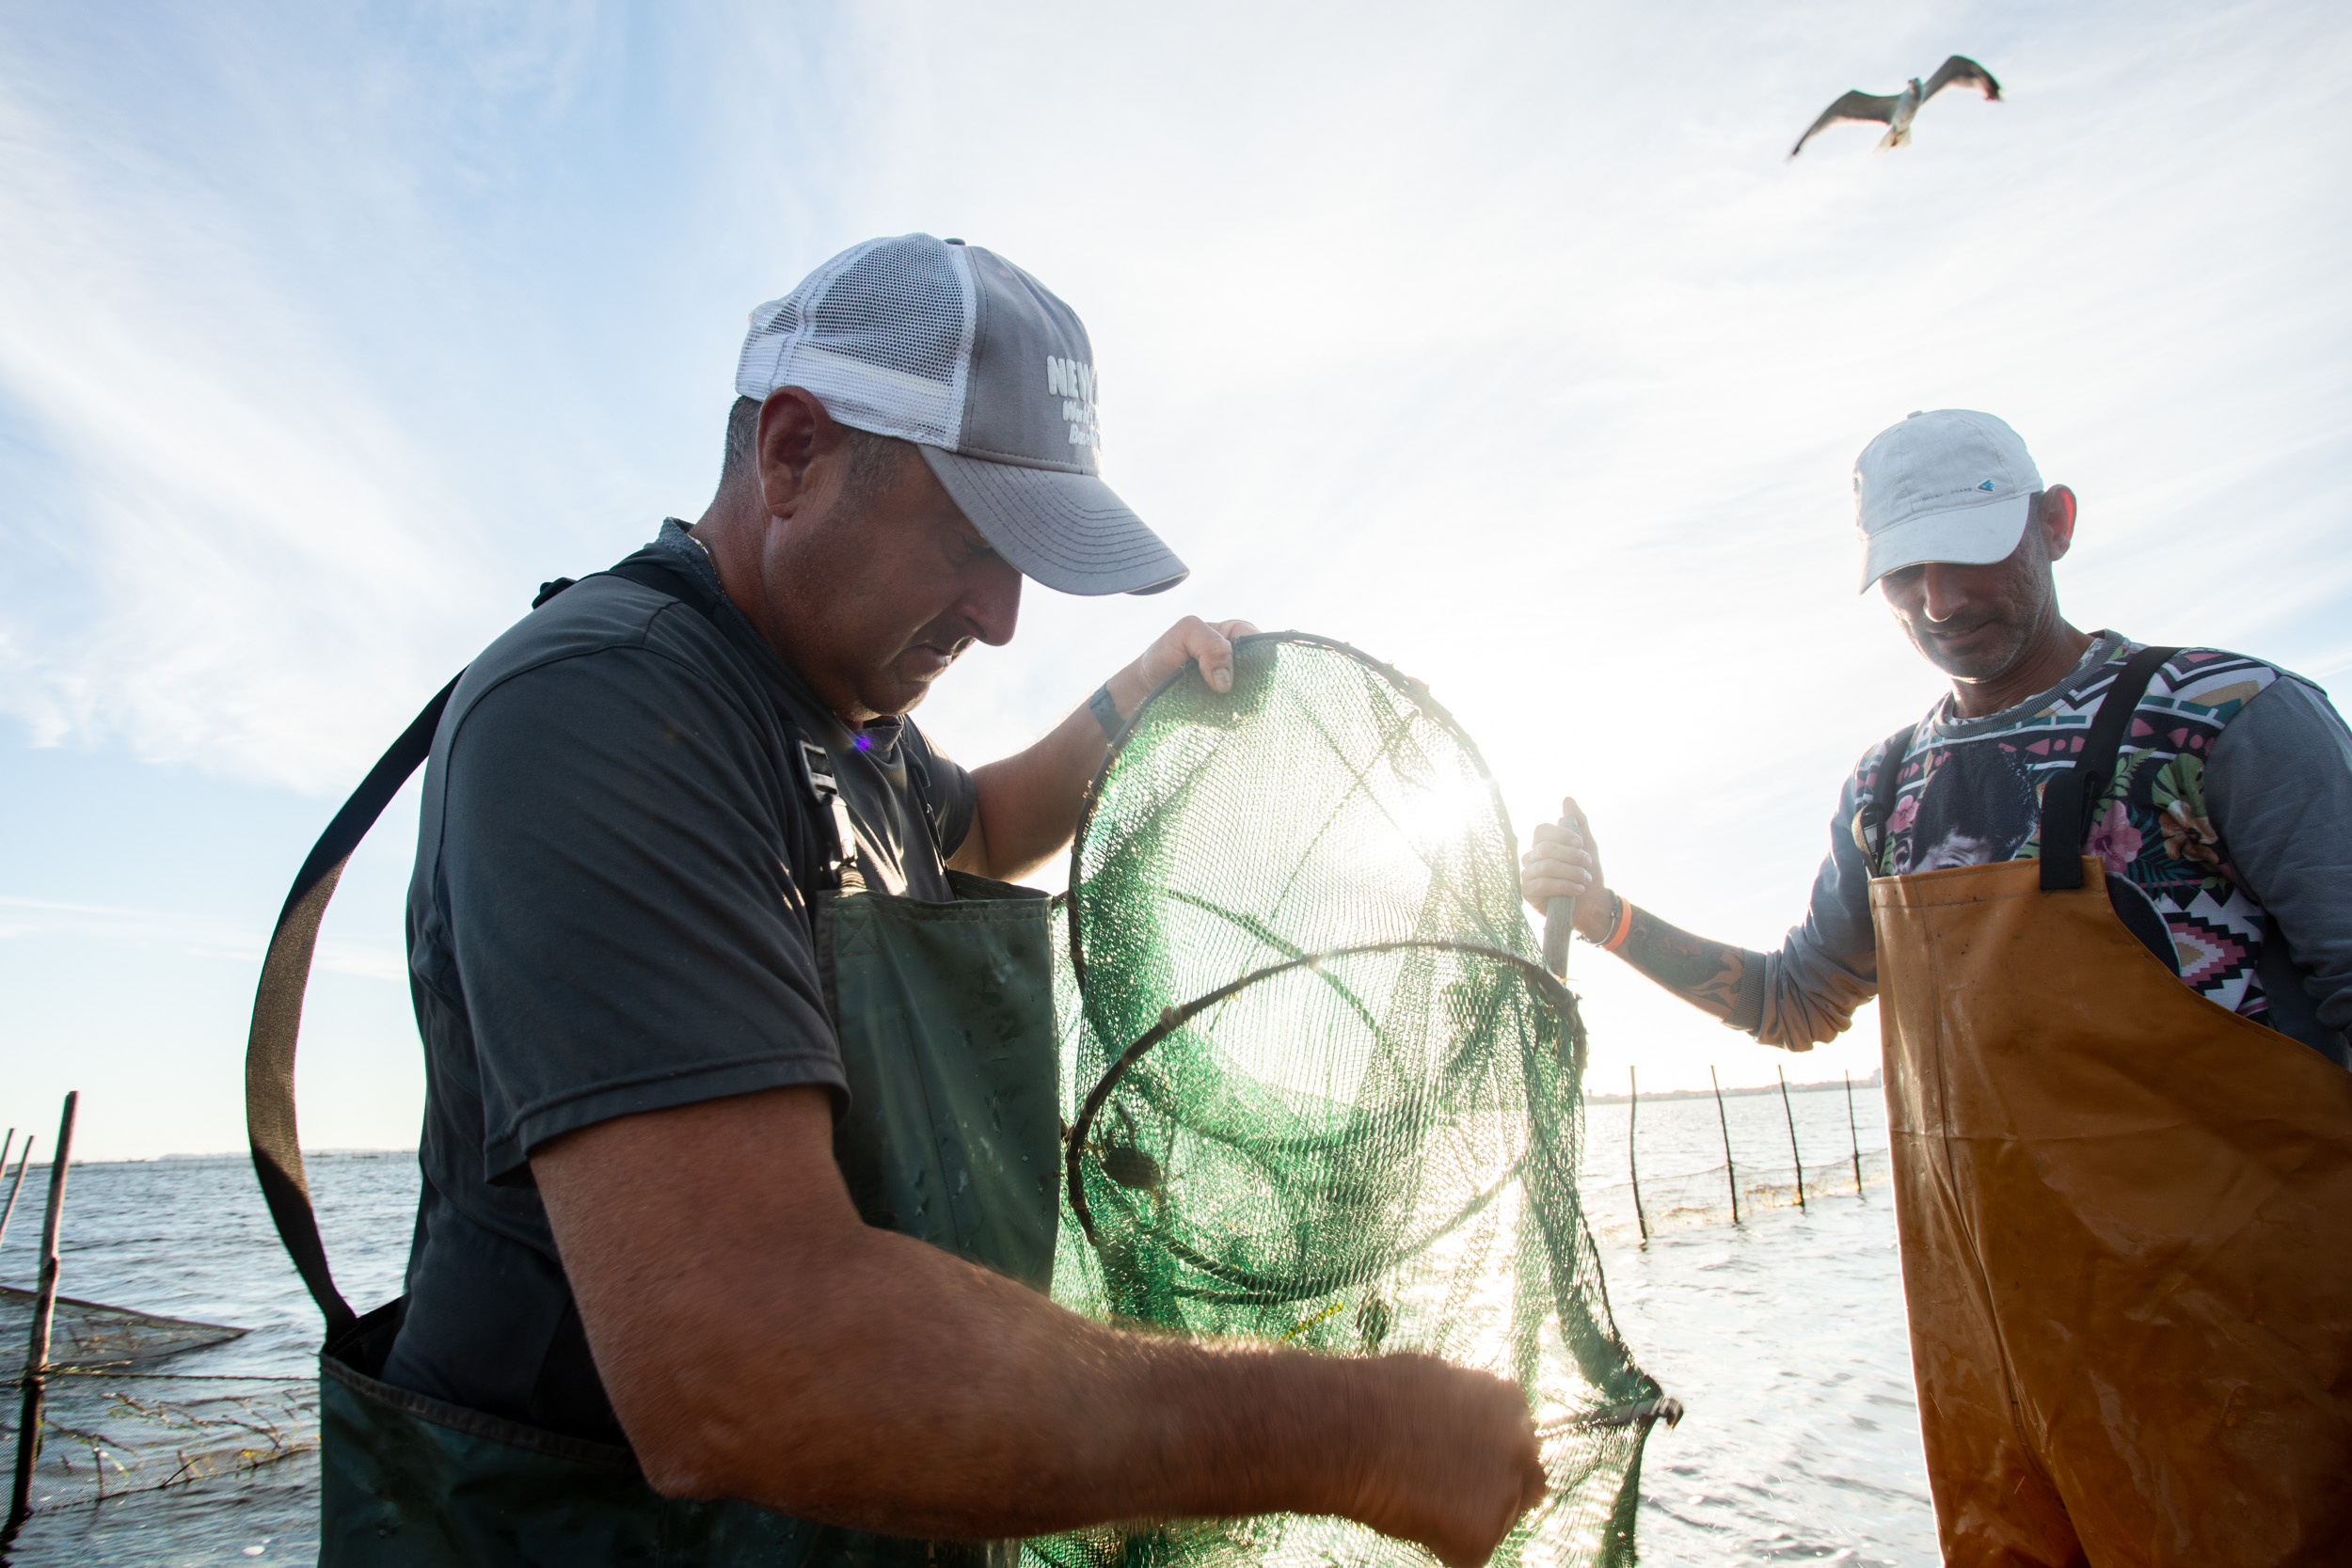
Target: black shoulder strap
point(269, 1047)
point(269, 1050)
point(647, 571)
point(2068, 800)
point(1882, 795)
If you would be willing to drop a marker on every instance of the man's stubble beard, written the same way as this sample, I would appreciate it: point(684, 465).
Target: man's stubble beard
point(2022, 619)
point(1984, 664)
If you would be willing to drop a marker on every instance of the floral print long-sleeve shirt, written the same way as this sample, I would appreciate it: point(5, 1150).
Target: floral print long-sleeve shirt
point(2231, 809)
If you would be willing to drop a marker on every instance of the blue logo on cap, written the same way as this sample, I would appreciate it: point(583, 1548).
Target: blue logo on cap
point(1986, 486)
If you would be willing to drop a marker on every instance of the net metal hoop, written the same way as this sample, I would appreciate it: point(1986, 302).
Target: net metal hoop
point(1553, 994)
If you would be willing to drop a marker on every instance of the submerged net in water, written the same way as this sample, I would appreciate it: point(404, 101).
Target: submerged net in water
point(88, 1335)
point(1320, 1088)
point(115, 1421)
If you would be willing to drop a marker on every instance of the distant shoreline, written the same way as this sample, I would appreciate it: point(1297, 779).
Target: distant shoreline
point(241, 1157)
point(1876, 1080)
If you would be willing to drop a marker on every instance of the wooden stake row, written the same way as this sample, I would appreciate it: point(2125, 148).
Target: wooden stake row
point(1731, 1172)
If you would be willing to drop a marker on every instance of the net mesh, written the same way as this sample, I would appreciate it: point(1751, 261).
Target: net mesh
point(1319, 1090)
point(88, 1335)
point(115, 1421)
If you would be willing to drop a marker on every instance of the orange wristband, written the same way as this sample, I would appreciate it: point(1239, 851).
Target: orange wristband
point(1624, 924)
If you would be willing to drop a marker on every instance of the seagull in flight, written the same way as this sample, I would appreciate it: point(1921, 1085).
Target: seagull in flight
point(1896, 110)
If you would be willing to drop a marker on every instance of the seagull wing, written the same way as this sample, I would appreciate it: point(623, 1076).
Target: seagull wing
point(1857, 104)
point(1960, 70)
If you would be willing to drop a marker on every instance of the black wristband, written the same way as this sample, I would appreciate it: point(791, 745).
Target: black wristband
point(1106, 712)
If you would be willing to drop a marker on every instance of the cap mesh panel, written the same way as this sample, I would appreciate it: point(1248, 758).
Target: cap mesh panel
point(879, 333)
point(898, 304)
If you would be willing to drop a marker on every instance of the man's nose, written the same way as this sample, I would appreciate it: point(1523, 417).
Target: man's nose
point(1942, 595)
point(992, 604)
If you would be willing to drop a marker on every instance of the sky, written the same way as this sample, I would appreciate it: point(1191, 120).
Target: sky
point(1502, 342)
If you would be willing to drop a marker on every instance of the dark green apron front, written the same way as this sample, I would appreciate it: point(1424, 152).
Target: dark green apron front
point(952, 1135)
point(946, 1012)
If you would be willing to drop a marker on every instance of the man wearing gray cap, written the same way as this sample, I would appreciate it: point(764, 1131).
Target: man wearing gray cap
point(2104, 893)
point(742, 1129)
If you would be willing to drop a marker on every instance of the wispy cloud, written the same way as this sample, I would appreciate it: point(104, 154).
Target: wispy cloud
point(195, 935)
point(215, 516)
point(246, 329)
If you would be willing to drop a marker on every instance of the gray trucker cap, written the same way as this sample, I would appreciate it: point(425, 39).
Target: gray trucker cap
point(956, 349)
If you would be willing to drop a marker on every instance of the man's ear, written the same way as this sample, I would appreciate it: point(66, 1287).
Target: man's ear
point(2056, 514)
point(794, 432)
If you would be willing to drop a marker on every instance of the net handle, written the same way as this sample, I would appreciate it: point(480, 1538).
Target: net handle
point(1173, 1019)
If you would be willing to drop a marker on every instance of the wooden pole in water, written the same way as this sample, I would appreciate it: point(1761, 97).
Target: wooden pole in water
point(44, 1307)
point(10, 1212)
point(1792, 1135)
point(1632, 1116)
point(1731, 1174)
point(1856, 1135)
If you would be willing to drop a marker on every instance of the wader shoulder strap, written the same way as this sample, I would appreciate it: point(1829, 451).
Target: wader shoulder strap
point(269, 1050)
point(2068, 800)
point(1882, 797)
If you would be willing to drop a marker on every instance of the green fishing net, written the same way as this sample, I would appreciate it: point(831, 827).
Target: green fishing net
point(1320, 1090)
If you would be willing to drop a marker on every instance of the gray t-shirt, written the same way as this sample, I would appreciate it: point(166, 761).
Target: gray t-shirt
point(609, 916)
point(2231, 809)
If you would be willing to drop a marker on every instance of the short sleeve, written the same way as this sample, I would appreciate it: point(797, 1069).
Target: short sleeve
point(614, 885)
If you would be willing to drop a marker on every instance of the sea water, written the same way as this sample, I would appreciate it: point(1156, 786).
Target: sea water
point(1783, 1336)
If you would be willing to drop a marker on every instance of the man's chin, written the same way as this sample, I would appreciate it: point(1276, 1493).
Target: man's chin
point(898, 696)
point(1967, 669)
point(1973, 660)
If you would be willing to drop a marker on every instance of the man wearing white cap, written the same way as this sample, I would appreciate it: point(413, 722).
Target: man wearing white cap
point(2104, 894)
point(742, 1129)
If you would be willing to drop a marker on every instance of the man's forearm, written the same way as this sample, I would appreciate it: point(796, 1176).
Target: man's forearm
point(930, 1398)
point(1710, 975)
point(757, 1341)
point(1028, 802)
point(1804, 994)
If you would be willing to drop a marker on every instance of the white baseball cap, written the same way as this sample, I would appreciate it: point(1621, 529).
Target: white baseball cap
point(990, 376)
point(1948, 484)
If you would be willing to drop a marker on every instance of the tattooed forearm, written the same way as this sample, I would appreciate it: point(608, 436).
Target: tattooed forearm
point(1705, 974)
